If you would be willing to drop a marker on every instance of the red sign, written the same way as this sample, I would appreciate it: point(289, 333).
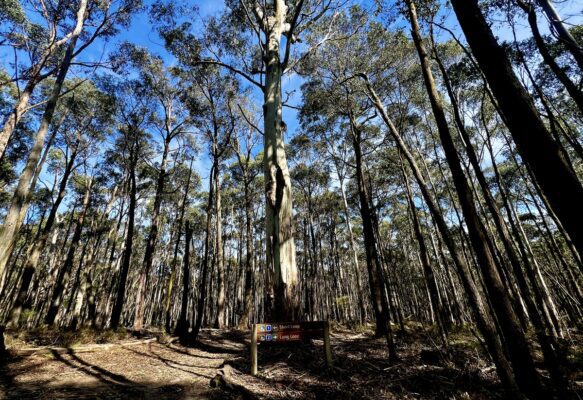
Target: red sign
point(289, 331)
point(280, 337)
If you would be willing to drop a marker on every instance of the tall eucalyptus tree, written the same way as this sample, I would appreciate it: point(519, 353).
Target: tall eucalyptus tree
point(269, 28)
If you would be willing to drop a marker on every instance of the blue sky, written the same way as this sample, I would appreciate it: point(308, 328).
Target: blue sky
point(141, 33)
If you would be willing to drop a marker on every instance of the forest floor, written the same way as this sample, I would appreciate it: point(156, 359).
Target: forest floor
point(130, 367)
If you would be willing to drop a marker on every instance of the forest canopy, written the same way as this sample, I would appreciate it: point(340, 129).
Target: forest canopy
point(388, 166)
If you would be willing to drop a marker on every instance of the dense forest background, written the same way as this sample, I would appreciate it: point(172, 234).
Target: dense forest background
point(198, 164)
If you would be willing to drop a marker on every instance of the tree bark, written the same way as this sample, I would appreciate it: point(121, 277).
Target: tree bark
point(280, 250)
point(13, 220)
point(373, 262)
point(129, 239)
point(483, 318)
point(152, 237)
point(182, 324)
point(537, 148)
point(220, 321)
point(523, 365)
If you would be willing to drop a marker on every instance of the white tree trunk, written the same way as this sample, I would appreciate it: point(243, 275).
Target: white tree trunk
point(281, 252)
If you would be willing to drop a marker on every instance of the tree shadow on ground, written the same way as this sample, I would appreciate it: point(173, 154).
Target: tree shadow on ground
point(102, 374)
point(187, 352)
point(214, 349)
point(173, 363)
point(91, 381)
point(361, 370)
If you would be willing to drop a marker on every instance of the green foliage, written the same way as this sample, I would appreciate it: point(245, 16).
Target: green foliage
point(12, 11)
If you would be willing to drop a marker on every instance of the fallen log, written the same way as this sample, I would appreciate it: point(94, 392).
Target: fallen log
point(79, 349)
point(230, 379)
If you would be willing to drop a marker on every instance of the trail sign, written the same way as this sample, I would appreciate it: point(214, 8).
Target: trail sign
point(289, 332)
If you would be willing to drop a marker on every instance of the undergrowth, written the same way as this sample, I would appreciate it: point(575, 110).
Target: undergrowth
point(45, 336)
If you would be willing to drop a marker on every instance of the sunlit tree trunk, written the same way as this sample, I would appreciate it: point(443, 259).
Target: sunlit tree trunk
point(13, 221)
point(281, 253)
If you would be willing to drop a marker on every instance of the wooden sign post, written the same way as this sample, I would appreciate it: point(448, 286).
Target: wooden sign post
point(254, 350)
point(289, 332)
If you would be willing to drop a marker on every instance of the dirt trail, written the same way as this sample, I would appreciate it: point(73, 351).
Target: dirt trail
point(169, 371)
point(142, 371)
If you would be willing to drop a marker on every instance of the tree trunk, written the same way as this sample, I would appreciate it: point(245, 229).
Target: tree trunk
point(40, 243)
point(562, 32)
point(361, 306)
point(14, 117)
point(483, 318)
point(220, 321)
point(373, 262)
point(65, 271)
point(249, 256)
point(571, 88)
point(515, 256)
point(425, 262)
point(182, 324)
point(526, 376)
point(537, 148)
point(129, 240)
point(178, 234)
point(13, 221)
point(202, 286)
point(281, 253)
point(152, 238)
